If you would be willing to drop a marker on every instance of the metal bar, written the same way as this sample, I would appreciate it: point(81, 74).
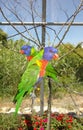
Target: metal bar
point(43, 23)
point(43, 44)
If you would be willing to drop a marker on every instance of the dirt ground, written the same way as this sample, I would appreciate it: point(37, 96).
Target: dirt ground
point(61, 105)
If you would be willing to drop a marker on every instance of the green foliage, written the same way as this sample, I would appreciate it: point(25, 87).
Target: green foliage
point(69, 65)
point(9, 122)
point(12, 66)
point(3, 38)
point(15, 45)
point(79, 72)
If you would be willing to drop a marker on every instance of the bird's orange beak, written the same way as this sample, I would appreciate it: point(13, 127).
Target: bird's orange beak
point(21, 52)
point(56, 56)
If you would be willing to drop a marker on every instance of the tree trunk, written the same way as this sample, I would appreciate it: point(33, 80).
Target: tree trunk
point(49, 104)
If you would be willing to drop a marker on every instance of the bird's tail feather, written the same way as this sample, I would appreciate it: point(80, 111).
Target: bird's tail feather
point(20, 96)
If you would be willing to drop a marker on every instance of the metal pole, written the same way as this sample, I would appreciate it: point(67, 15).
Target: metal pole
point(43, 20)
point(42, 23)
point(43, 44)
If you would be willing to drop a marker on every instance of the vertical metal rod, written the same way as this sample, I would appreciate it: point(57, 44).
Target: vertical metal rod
point(43, 20)
point(43, 44)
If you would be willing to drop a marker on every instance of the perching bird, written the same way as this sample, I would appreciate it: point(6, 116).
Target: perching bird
point(29, 51)
point(36, 69)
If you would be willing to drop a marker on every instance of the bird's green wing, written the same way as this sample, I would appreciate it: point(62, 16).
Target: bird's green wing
point(28, 80)
point(50, 71)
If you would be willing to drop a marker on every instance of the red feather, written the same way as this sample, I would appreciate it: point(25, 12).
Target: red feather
point(43, 67)
point(29, 58)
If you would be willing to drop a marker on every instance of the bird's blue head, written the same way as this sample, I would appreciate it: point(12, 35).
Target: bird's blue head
point(50, 53)
point(26, 49)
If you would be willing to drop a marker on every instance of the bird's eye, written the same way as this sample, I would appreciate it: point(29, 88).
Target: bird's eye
point(26, 49)
point(51, 51)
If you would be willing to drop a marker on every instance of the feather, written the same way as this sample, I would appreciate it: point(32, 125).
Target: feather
point(51, 72)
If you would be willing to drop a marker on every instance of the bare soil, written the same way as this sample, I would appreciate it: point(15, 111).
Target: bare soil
point(63, 105)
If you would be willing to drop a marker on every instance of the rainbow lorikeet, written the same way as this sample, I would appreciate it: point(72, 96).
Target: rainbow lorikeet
point(37, 68)
point(30, 52)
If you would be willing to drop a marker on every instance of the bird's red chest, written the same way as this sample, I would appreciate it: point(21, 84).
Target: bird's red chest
point(43, 67)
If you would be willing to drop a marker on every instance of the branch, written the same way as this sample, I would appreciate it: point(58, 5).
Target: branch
point(17, 29)
point(69, 91)
point(70, 23)
point(74, 4)
point(11, 10)
point(48, 37)
point(68, 86)
point(20, 32)
point(74, 50)
point(54, 33)
point(73, 18)
point(34, 24)
point(67, 53)
point(36, 12)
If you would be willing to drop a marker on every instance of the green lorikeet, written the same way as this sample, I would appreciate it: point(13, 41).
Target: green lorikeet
point(36, 69)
